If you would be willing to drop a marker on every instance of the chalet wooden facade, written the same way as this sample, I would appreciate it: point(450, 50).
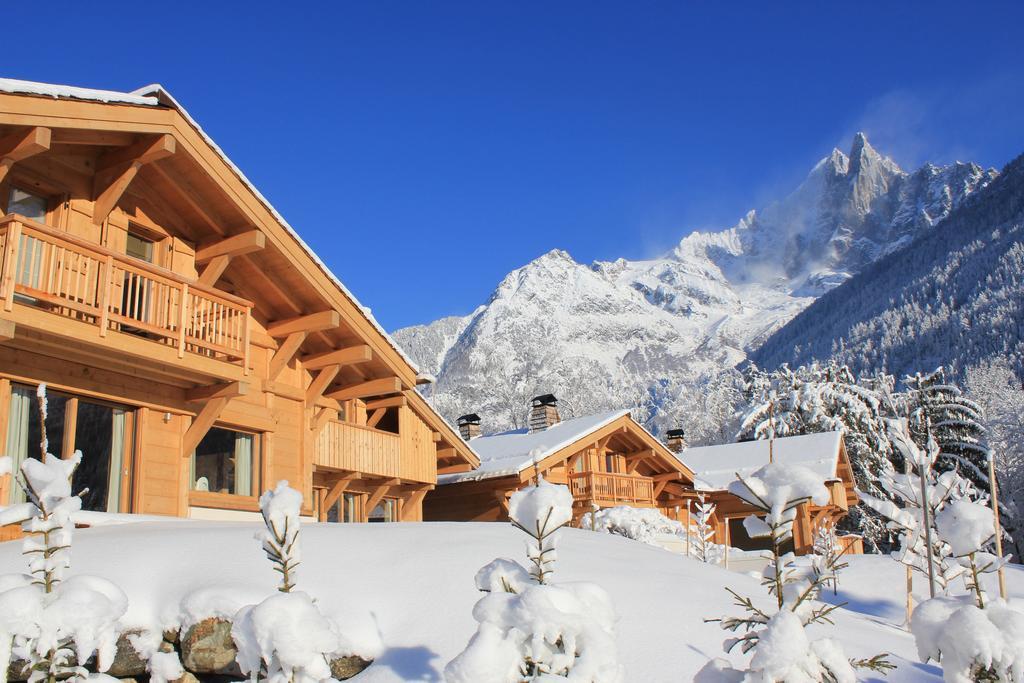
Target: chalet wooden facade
point(715, 467)
point(606, 460)
point(195, 350)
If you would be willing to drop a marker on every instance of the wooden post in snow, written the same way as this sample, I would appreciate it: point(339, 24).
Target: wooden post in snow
point(994, 488)
point(910, 594)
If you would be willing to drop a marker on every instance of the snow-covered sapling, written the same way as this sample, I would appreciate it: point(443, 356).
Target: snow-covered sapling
point(974, 638)
point(781, 647)
point(529, 629)
point(52, 623)
point(828, 552)
point(285, 638)
point(702, 533)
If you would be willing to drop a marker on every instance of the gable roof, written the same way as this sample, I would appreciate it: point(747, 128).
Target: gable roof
point(155, 95)
point(510, 453)
point(715, 467)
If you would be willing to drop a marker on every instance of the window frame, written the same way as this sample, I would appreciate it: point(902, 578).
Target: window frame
point(231, 501)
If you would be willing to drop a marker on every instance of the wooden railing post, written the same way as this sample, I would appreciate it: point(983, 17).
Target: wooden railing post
point(245, 341)
point(183, 306)
point(8, 277)
point(107, 283)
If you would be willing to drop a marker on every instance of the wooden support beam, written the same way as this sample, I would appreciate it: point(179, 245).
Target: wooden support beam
point(229, 390)
point(324, 320)
point(98, 138)
point(377, 496)
point(213, 270)
point(7, 328)
point(284, 354)
point(236, 245)
point(376, 417)
point(201, 424)
point(189, 196)
point(373, 387)
point(347, 356)
point(414, 500)
point(320, 420)
point(445, 453)
point(339, 488)
point(144, 151)
point(393, 402)
point(320, 383)
point(116, 170)
point(22, 145)
point(502, 497)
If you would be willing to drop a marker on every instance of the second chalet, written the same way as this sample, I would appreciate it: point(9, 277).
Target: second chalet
point(606, 460)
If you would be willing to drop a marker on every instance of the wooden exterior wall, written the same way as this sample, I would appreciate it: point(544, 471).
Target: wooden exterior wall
point(107, 169)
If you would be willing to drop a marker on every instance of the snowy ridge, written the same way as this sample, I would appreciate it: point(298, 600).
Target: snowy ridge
point(655, 334)
point(14, 86)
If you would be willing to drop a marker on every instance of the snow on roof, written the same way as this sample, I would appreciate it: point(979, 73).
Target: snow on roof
point(155, 94)
point(715, 467)
point(512, 452)
point(14, 86)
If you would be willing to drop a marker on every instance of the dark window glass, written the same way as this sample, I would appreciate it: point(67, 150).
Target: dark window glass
point(738, 538)
point(223, 462)
point(94, 436)
point(27, 204)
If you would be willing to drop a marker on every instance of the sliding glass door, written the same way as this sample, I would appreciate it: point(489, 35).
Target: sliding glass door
point(99, 430)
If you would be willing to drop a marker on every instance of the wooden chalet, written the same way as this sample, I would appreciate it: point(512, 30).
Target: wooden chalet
point(195, 349)
point(606, 460)
point(715, 467)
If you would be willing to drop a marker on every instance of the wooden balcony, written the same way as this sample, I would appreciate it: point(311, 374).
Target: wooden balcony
point(344, 446)
point(48, 270)
point(605, 488)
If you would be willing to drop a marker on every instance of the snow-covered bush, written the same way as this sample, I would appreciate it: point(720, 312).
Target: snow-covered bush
point(828, 551)
point(781, 648)
point(978, 639)
point(51, 624)
point(702, 533)
point(530, 629)
point(640, 524)
point(920, 495)
point(285, 638)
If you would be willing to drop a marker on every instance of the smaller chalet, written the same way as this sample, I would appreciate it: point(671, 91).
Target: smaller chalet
point(606, 460)
point(715, 467)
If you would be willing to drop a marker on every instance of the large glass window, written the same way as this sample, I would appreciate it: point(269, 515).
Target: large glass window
point(384, 512)
point(346, 509)
point(98, 430)
point(225, 462)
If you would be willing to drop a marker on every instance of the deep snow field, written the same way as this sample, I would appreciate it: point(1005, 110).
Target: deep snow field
point(413, 584)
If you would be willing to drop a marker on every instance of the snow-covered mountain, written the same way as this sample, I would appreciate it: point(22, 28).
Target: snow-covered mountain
point(658, 334)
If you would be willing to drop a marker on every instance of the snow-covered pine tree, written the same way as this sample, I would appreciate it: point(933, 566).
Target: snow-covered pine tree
point(51, 624)
point(787, 402)
point(974, 638)
point(782, 650)
point(528, 628)
point(939, 409)
point(702, 533)
point(285, 638)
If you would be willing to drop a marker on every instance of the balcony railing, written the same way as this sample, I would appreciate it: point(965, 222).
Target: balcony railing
point(77, 279)
point(613, 488)
point(345, 446)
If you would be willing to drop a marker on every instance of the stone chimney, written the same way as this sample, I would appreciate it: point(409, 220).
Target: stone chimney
point(469, 426)
point(543, 412)
point(675, 439)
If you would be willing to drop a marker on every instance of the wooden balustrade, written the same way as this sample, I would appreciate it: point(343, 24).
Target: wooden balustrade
point(74, 278)
point(611, 487)
point(345, 446)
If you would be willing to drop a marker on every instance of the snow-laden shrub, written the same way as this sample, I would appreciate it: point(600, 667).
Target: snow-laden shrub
point(702, 533)
point(974, 638)
point(529, 629)
point(782, 650)
point(50, 623)
point(640, 524)
point(920, 496)
point(285, 638)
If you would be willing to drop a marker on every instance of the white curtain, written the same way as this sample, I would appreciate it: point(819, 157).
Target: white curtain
point(116, 462)
point(243, 464)
point(17, 436)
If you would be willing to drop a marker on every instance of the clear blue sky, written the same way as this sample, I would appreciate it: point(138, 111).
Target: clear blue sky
point(425, 149)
